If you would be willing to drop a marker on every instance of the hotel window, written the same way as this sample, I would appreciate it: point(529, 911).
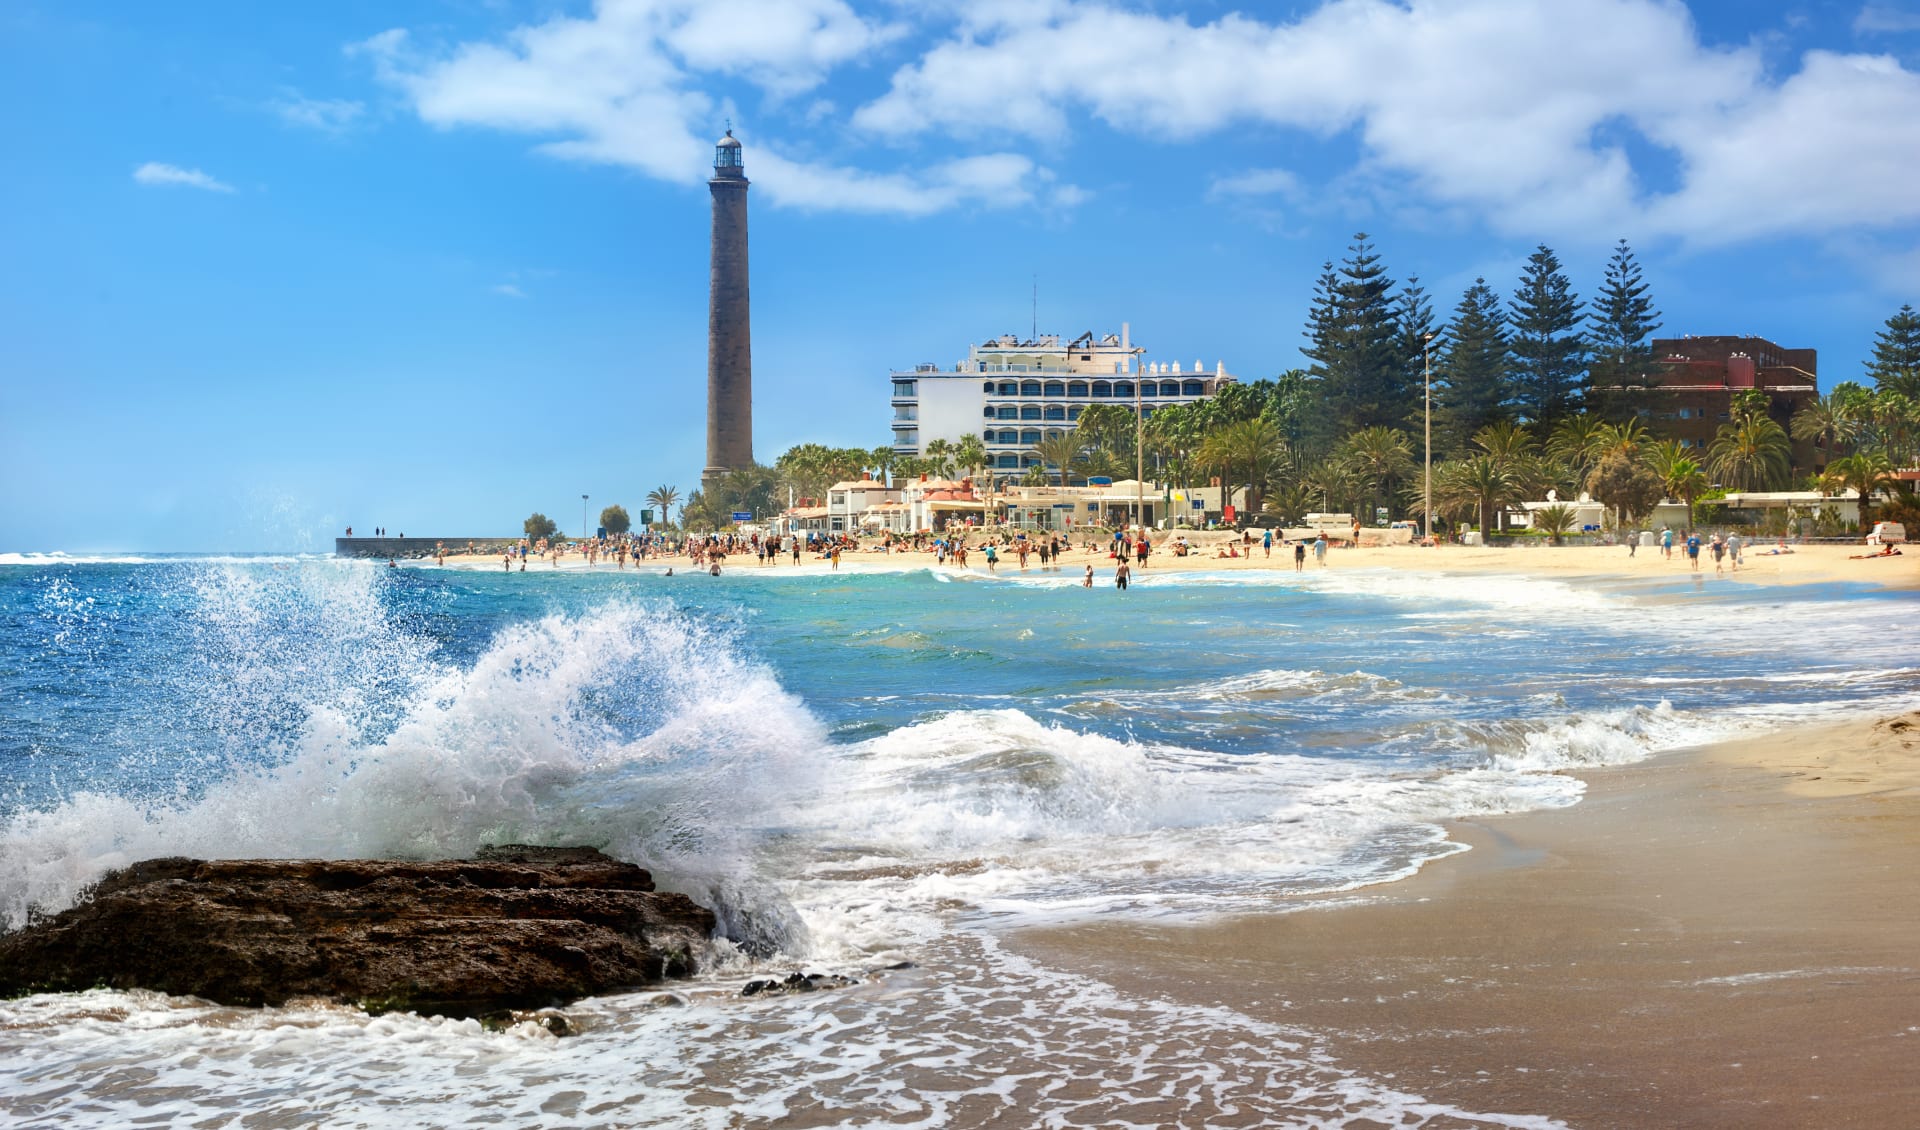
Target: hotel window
point(1007, 412)
point(1073, 413)
point(1102, 388)
point(1149, 388)
point(1008, 388)
point(906, 388)
point(1169, 388)
point(1192, 388)
point(1031, 435)
point(1030, 388)
point(1055, 388)
point(987, 387)
point(1056, 412)
point(1077, 388)
point(1123, 388)
point(1007, 462)
point(1030, 412)
point(987, 412)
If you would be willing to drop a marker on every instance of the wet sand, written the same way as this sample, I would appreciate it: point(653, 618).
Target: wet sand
point(1724, 937)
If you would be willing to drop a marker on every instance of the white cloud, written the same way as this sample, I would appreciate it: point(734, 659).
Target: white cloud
point(620, 87)
point(154, 172)
point(1881, 19)
point(1487, 105)
point(509, 290)
point(328, 115)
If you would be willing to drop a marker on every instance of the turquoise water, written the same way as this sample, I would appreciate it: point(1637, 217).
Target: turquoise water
point(853, 769)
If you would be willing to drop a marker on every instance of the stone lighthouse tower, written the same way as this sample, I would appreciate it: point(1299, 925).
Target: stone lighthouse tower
point(729, 331)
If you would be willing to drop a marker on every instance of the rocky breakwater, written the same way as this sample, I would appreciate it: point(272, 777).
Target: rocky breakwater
point(515, 928)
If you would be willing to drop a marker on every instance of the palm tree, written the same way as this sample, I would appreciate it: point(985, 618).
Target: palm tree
point(1826, 423)
point(1577, 442)
point(1480, 483)
point(1751, 453)
point(662, 499)
point(1865, 472)
point(970, 453)
point(1061, 451)
point(1251, 446)
point(1554, 521)
point(1378, 457)
point(1625, 438)
point(940, 453)
point(1680, 474)
point(881, 460)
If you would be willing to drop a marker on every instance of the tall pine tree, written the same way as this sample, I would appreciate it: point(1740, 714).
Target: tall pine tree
point(1549, 352)
point(1896, 355)
point(1472, 381)
point(1353, 339)
point(1621, 328)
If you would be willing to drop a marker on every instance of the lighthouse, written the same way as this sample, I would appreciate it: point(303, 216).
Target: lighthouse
point(729, 330)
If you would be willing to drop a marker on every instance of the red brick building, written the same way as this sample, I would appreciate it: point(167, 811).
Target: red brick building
point(1691, 392)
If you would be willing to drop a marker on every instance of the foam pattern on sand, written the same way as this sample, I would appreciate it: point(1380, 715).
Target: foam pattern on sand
point(990, 1039)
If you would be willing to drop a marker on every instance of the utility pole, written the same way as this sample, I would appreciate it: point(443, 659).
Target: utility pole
point(586, 531)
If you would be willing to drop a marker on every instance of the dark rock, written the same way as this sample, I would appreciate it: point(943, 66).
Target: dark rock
point(516, 928)
point(796, 983)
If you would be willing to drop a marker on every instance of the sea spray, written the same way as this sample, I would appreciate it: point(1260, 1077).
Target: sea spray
point(627, 726)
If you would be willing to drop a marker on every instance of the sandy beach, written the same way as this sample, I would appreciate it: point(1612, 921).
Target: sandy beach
point(1721, 937)
point(1807, 564)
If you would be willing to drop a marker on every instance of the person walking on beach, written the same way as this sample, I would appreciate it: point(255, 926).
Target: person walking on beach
point(1734, 545)
point(1693, 551)
point(1666, 542)
point(1299, 556)
point(1320, 550)
point(1145, 547)
point(1266, 542)
point(1719, 554)
point(992, 558)
point(1633, 544)
point(1121, 574)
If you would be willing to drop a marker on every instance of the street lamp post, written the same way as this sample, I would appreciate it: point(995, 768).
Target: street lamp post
point(584, 528)
point(1426, 362)
point(1139, 450)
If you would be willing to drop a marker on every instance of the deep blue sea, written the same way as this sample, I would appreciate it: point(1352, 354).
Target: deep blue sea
point(855, 769)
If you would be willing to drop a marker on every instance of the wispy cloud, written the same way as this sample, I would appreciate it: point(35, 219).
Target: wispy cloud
point(328, 115)
point(509, 290)
point(1255, 182)
point(1883, 19)
point(156, 173)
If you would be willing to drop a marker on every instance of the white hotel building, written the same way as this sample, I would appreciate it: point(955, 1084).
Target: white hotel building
point(1013, 393)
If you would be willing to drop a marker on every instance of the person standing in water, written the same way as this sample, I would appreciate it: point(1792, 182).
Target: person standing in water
point(1120, 575)
point(1088, 583)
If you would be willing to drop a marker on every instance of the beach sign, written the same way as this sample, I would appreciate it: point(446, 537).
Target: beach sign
point(743, 515)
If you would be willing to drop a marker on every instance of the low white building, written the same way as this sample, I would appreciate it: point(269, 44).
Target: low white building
point(1013, 393)
point(848, 501)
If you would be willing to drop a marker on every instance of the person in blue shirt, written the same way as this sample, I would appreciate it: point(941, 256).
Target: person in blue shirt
point(1693, 551)
point(1266, 542)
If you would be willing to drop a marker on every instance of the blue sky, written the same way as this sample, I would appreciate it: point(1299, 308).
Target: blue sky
point(267, 270)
